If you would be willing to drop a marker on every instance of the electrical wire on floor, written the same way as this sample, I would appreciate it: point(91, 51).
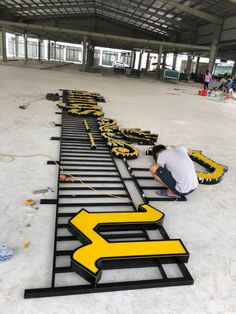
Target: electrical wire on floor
point(62, 172)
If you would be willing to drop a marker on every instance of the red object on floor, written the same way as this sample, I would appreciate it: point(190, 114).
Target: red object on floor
point(204, 92)
point(200, 92)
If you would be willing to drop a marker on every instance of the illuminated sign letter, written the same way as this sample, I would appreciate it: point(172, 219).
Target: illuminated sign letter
point(217, 170)
point(97, 252)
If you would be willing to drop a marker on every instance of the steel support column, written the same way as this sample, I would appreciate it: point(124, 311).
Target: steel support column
point(39, 50)
point(26, 47)
point(174, 61)
point(0, 43)
point(148, 62)
point(134, 59)
point(84, 53)
point(159, 63)
point(90, 54)
point(140, 60)
point(55, 51)
point(164, 59)
point(131, 59)
point(17, 45)
point(49, 48)
point(214, 47)
point(188, 67)
point(100, 57)
point(197, 64)
point(4, 48)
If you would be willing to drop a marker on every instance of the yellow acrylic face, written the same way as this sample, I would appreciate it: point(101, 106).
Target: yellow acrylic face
point(108, 127)
point(106, 124)
point(107, 134)
point(62, 105)
point(82, 94)
point(123, 149)
point(81, 100)
point(107, 121)
point(85, 106)
point(86, 112)
point(139, 136)
point(97, 249)
point(217, 170)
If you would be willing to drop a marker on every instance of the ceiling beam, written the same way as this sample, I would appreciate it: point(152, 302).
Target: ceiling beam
point(33, 28)
point(103, 16)
point(193, 11)
point(56, 16)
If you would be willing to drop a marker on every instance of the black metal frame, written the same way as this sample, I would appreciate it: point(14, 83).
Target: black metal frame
point(142, 188)
point(72, 127)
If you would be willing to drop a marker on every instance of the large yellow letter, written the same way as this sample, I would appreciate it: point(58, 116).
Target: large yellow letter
point(87, 260)
point(217, 170)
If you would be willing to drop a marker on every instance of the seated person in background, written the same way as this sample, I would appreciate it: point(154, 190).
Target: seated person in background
point(229, 83)
point(175, 170)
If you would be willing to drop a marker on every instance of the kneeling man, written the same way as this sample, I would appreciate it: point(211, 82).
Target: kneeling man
point(174, 169)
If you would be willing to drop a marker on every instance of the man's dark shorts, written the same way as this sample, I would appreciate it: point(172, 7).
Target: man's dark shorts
point(166, 177)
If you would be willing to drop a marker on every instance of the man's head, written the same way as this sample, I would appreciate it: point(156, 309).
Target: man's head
point(156, 150)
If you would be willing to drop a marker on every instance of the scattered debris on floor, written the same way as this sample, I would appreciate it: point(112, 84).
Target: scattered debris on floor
point(5, 253)
point(43, 191)
point(24, 106)
point(26, 244)
point(52, 123)
point(30, 202)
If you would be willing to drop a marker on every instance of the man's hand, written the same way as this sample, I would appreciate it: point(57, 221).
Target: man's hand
point(190, 152)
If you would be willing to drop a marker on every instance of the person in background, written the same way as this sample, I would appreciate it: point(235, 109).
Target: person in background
point(174, 169)
point(229, 83)
point(207, 78)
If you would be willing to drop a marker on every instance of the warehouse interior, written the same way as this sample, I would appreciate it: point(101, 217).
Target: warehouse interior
point(49, 46)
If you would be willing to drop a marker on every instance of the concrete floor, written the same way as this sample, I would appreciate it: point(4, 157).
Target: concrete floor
point(205, 223)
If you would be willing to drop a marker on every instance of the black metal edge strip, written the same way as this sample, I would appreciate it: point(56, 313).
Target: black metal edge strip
point(107, 287)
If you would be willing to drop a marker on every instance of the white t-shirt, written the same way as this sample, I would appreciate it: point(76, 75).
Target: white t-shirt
point(178, 162)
